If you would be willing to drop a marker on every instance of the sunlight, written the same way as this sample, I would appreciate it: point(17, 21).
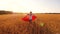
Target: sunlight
point(25, 6)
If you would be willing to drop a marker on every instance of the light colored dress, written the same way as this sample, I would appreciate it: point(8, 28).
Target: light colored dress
point(30, 17)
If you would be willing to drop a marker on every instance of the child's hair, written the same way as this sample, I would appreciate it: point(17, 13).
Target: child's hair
point(30, 11)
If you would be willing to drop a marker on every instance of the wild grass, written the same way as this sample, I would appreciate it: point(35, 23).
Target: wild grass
point(13, 24)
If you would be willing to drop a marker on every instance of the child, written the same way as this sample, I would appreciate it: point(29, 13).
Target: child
point(30, 17)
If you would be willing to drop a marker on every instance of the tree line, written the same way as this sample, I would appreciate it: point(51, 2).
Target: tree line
point(5, 12)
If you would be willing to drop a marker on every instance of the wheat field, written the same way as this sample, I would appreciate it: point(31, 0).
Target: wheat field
point(13, 24)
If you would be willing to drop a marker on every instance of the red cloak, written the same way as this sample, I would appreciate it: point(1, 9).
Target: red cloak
point(26, 18)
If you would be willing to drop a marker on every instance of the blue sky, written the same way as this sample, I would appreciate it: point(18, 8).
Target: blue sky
point(36, 6)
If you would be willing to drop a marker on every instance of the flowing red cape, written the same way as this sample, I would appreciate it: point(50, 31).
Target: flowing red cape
point(26, 18)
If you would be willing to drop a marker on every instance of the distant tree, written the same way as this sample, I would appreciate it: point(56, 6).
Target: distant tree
point(5, 12)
